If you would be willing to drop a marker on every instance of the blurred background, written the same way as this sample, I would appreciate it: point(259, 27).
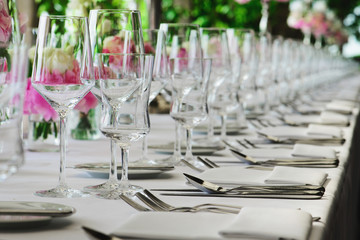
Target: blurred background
point(284, 16)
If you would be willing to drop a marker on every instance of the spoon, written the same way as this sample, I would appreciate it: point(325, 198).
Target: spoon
point(210, 187)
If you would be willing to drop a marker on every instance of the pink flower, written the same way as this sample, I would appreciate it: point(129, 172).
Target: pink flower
point(5, 22)
point(148, 48)
point(34, 103)
point(87, 103)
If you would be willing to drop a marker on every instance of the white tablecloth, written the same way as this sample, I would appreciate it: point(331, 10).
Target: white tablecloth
point(41, 172)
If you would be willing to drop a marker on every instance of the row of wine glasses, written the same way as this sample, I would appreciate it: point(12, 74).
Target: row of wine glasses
point(209, 72)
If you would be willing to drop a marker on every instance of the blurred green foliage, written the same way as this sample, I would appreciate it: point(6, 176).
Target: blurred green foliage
point(58, 7)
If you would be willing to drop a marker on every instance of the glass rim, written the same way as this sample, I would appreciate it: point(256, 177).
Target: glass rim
point(124, 10)
point(181, 24)
point(124, 54)
point(63, 17)
point(213, 28)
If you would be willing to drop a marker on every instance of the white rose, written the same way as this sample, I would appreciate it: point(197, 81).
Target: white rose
point(58, 59)
point(319, 6)
point(296, 6)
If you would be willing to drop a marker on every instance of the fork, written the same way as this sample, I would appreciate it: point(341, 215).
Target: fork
point(158, 205)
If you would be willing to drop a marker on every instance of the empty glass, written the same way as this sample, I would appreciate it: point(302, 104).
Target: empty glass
point(124, 82)
point(113, 31)
point(154, 44)
point(189, 95)
point(182, 41)
point(63, 75)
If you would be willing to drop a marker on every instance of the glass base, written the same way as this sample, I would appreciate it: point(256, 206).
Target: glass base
point(145, 161)
point(62, 191)
point(109, 185)
point(124, 189)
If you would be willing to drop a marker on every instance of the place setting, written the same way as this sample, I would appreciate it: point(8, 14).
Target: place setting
point(173, 121)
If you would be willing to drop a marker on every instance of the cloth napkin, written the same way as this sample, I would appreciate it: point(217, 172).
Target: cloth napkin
point(329, 131)
point(333, 118)
point(290, 132)
point(235, 176)
point(269, 223)
point(282, 175)
point(174, 225)
point(340, 106)
point(306, 150)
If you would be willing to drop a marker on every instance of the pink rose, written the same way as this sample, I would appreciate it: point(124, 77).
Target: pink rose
point(87, 103)
point(34, 103)
point(148, 48)
point(5, 22)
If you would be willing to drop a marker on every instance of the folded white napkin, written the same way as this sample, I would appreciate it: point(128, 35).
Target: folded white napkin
point(333, 118)
point(174, 225)
point(235, 176)
point(282, 175)
point(269, 223)
point(302, 119)
point(340, 106)
point(289, 132)
point(306, 150)
point(268, 153)
point(329, 131)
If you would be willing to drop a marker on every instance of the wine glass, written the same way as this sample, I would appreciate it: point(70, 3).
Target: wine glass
point(113, 31)
point(189, 95)
point(63, 74)
point(242, 45)
point(154, 44)
point(182, 41)
point(125, 86)
point(215, 46)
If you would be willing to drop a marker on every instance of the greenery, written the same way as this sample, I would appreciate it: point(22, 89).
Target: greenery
point(58, 7)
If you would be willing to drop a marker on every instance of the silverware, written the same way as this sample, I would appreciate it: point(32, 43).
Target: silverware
point(207, 162)
point(159, 205)
point(99, 235)
point(313, 141)
point(300, 162)
point(210, 187)
point(186, 163)
point(96, 166)
point(134, 204)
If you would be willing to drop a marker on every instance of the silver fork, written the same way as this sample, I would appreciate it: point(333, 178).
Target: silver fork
point(207, 162)
point(158, 205)
point(134, 204)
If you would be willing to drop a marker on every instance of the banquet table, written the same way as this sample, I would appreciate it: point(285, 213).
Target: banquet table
point(338, 208)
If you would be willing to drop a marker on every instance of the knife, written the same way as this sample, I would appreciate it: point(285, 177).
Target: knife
point(249, 195)
point(99, 235)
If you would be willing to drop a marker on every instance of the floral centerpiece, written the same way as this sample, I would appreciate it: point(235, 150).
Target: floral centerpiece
point(316, 19)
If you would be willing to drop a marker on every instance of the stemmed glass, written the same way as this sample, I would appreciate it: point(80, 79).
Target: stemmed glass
point(63, 75)
point(242, 45)
point(215, 46)
point(124, 82)
point(154, 44)
point(182, 41)
point(113, 31)
point(189, 95)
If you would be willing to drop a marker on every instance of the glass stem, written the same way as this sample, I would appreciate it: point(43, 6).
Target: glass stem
point(124, 163)
point(62, 151)
point(223, 126)
point(189, 156)
point(264, 16)
point(113, 163)
point(177, 145)
point(144, 148)
point(210, 130)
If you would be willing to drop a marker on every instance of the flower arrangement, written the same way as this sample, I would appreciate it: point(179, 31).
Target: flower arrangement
point(60, 67)
point(316, 19)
